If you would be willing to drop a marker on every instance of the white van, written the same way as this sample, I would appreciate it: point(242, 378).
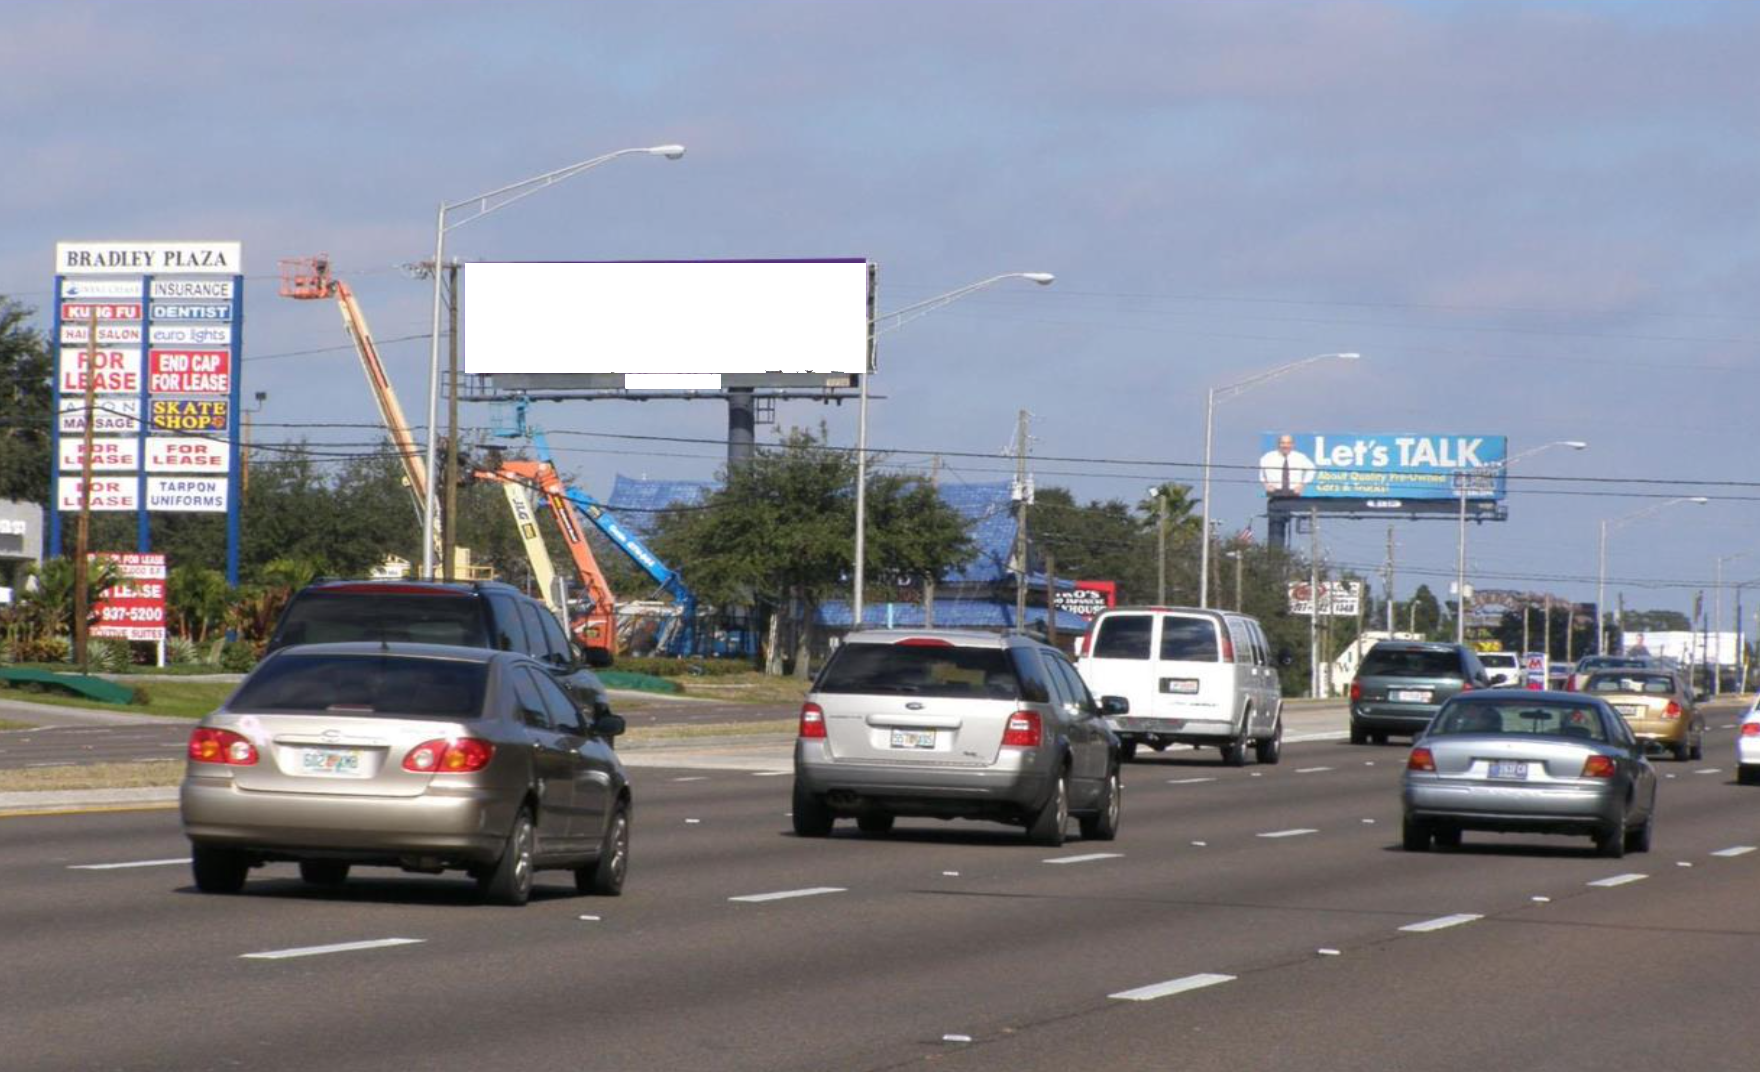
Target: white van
point(1198, 677)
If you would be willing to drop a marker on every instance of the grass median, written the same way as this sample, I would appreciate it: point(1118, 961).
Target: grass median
point(181, 699)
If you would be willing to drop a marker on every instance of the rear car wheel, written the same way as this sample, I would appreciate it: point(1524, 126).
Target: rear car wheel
point(1234, 753)
point(1748, 774)
point(1681, 752)
point(1611, 841)
point(812, 818)
point(1127, 751)
point(1639, 840)
point(1697, 752)
point(219, 870)
point(1359, 735)
point(1270, 750)
point(1414, 835)
point(509, 882)
point(1049, 827)
point(1103, 824)
point(324, 872)
point(874, 822)
point(604, 876)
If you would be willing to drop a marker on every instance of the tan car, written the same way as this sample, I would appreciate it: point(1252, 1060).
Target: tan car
point(1656, 704)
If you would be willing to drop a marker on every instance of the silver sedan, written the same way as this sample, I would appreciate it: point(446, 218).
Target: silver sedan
point(1515, 761)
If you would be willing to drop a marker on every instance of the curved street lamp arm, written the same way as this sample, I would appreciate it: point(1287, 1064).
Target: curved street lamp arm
point(901, 317)
point(1227, 391)
point(507, 195)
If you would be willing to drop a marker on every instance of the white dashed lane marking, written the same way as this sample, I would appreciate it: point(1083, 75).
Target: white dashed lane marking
point(1311, 770)
point(1188, 781)
point(783, 895)
point(1710, 770)
point(1085, 858)
point(1172, 986)
point(1441, 923)
point(1734, 850)
point(693, 778)
point(131, 863)
point(771, 773)
point(1298, 832)
point(1619, 880)
point(340, 947)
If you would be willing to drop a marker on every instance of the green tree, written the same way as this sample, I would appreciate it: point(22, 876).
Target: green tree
point(197, 597)
point(1427, 619)
point(26, 400)
point(1643, 621)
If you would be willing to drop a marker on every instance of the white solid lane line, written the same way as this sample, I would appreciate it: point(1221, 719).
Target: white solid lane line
point(1734, 850)
point(1311, 770)
point(320, 950)
point(1441, 922)
point(1298, 832)
point(1084, 858)
point(1172, 986)
point(783, 895)
point(1619, 880)
point(130, 863)
point(771, 773)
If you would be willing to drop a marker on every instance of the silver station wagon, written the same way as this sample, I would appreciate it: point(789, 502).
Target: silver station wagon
point(416, 756)
point(950, 724)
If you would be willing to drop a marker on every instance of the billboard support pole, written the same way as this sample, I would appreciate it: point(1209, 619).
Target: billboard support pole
point(234, 473)
point(1314, 602)
point(82, 534)
point(1460, 568)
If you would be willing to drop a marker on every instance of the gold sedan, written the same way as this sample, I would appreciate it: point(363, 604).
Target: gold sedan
point(1657, 705)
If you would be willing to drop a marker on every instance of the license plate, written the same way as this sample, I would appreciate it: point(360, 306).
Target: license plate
point(1181, 686)
point(1630, 710)
point(1515, 770)
point(338, 761)
point(1410, 695)
point(913, 738)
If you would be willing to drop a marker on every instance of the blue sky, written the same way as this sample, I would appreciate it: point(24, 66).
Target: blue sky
point(1531, 219)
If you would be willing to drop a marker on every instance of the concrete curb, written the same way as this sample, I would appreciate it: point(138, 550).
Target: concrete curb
point(61, 801)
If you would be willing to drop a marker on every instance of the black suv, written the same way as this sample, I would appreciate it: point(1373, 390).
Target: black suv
point(1402, 683)
point(483, 614)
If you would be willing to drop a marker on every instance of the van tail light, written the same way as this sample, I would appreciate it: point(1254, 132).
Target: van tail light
point(1599, 766)
point(1227, 648)
point(1673, 710)
point(207, 745)
point(1466, 686)
point(1022, 731)
point(459, 755)
point(1356, 690)
point(812, 722)
point(1751, 729)
point(1421, 760)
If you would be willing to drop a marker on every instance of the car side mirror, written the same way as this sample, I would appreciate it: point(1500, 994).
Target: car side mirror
point(609, 725)
point(1285, 658)
point(595, 658)
point(1114, 705)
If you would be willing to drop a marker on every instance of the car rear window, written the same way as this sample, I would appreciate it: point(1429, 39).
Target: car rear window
point(1631, 681)
point(1189, 640)
point(1580, 721)
point(1410, 662)
point(365, 685)
point(921, 670)
point(339, 617)
point(1124, 636)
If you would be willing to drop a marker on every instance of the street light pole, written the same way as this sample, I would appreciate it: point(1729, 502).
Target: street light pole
point(1717, 627)
point(899, 318)
point(1223, 394)
point(485, 203)
point(1614, 525)
point(1462, 483)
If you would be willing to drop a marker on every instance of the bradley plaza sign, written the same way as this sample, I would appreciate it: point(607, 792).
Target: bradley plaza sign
point(155, 330)
point(1349, 465)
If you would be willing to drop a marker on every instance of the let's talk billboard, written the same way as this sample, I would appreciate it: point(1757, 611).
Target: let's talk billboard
point(1350, 465)
point(701, 318)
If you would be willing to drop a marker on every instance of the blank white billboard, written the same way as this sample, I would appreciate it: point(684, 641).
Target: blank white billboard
point(666, 317)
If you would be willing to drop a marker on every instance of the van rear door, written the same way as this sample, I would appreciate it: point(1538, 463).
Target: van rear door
point(1192, 678)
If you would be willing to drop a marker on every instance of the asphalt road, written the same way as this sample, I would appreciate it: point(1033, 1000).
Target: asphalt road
point(956, 944)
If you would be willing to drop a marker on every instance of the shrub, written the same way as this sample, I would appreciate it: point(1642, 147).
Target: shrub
point(238, 657)
point(181, 651)
point(662, 666)
point(107, 655)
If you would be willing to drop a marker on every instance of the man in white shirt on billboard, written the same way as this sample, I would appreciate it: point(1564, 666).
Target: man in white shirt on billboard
point(1286, 471)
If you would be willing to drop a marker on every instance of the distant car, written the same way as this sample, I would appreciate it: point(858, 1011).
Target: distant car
point(481, 614)
point(1401, 684)
point(1658, 706)
point(416, 756)
point(1588, 664)
point(1517, 761)
point(949, 724)
point(1199, 677)
point(1504, 668)
point(1748, 747)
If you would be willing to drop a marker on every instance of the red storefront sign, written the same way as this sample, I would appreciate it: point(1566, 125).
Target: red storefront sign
point(135, 608)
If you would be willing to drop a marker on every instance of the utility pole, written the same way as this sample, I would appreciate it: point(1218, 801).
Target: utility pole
point(449, 511)
point(1525, 610)
point(1050, 598)
point(1387, 579)
point(1161, 546)
point(1240, 556)
point(82, 537)
point(1314, 602)
point(1546, 628)
point(929, 581)
point(1023, 496)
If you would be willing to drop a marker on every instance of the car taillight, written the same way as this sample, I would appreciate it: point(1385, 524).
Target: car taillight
point(1599, 767)
point(1751, 729)
point(1570, 683)
point(1673, 710)
point(1421, 760)
point(460, 755)
point(221, 746)
point(1356, 690)
point(812, 721)
point(1227, 648)
point(1023, 730)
